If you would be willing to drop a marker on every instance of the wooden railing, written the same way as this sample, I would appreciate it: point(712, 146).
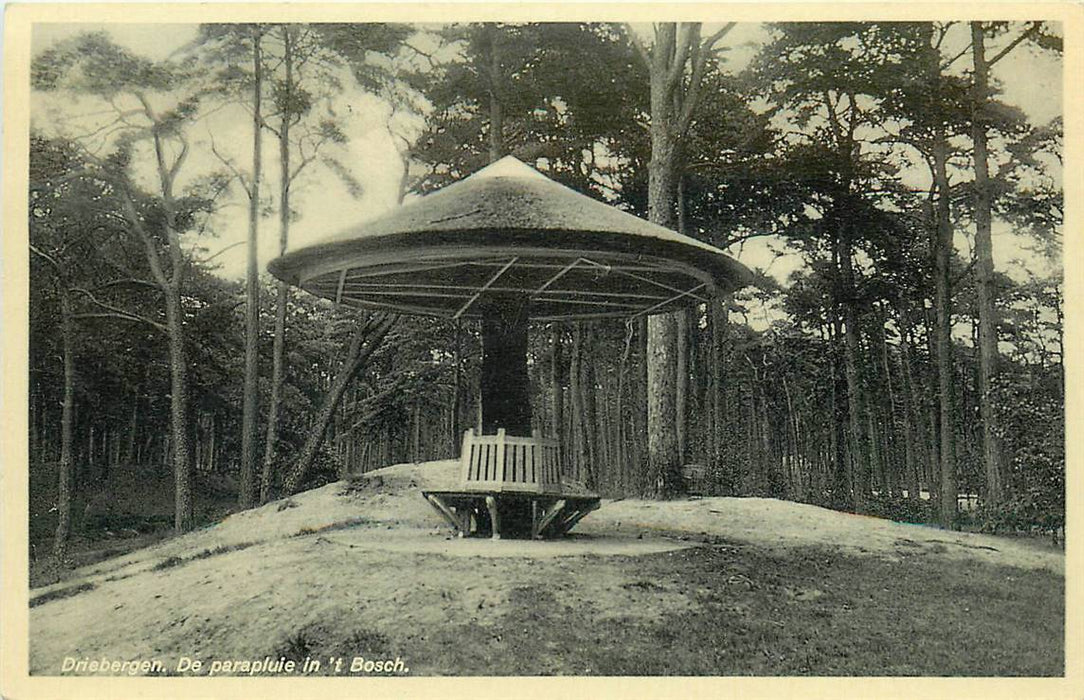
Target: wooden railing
point(504, 462)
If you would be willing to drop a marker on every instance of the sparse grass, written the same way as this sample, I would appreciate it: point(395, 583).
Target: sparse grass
point(720, 609)
point(59, 593)
point(745, 612)
point(342, 525)
point(223, 549)
point(299, 645)
point(642, 585)
point(364, 641)
point(170, 562)
point(323, 640)
point(358, 483)
point(812, 612)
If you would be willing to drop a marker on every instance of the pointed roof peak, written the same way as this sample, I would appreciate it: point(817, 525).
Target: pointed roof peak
point(509, 166)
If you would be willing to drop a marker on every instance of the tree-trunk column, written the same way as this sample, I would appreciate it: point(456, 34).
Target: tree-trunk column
point(506, 400)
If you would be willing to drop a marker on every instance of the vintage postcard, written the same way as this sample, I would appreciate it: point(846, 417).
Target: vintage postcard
point(541, 350)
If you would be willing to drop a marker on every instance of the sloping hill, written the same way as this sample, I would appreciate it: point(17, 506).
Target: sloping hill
point(748, 586)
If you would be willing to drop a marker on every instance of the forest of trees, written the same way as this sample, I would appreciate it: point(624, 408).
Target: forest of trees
point(895, 362)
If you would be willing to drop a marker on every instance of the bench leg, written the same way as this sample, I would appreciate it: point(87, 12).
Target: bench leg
point(569, 518)
point(463, 514)
point(453, 518)
point(494, 516)
point(549, 515)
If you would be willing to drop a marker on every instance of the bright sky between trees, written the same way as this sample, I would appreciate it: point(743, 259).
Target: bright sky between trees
point(1029, 80)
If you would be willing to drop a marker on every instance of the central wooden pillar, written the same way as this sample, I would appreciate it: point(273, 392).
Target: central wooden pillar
point(505, 387)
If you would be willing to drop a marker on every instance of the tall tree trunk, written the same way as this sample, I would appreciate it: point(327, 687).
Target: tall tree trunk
point(247, 491)
point(663, 447)
point(860, 465)
point(791, 452)
point(92, 463)
point(64, 477)
point(912, 426)
point(931, 403)
point(697, 404)
point(843, 468)
point(593, 432)
point(211, 445)
point(363, 344)
point(504, 384)
point(457, 387)
point(496, 108)
point(183, 519)
point(575, 390)
point(639, 405)
point(282, 292)
point(945, 370)
point(719, 414)
point(664, 465)
point(673, 98)
point(416, 439)
point(878, 467)
point(681, 389)
point(557, 403)
point(622, 432)
point(891, 427)
point(133, 428)
point(984, 270)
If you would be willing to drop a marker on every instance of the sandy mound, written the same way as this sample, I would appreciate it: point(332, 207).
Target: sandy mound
point(384, 510)
point(372, 552)
point(781, 524)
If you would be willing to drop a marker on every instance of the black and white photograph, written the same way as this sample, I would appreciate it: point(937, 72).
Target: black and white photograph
point(360, 345)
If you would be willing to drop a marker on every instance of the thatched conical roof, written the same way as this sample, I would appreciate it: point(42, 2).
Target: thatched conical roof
point(508, 229)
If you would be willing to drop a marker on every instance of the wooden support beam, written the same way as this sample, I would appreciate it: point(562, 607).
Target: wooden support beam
point(494, 516)
point(570, 519)
point(484, 287)
point(664, 303)
point(556, 277)
point(464, 513)
point(549, 515)
point(451, 517)
point(571, 516)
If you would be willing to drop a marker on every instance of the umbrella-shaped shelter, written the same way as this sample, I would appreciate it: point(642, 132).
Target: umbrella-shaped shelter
point(507, 245)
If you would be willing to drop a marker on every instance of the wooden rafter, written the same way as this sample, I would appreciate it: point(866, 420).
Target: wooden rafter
point(487, 285)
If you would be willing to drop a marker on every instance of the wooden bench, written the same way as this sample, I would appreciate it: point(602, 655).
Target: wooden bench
point(512, 485)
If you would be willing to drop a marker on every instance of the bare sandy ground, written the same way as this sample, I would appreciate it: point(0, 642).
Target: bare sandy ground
point(781, 524)
point(338, 549)
point(396, 518)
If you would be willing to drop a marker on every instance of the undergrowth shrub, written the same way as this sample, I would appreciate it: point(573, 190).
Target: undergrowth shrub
point(325, 469)
point(904, 510)
point(60, 593)
point(1031, 425)
point(170, 562)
